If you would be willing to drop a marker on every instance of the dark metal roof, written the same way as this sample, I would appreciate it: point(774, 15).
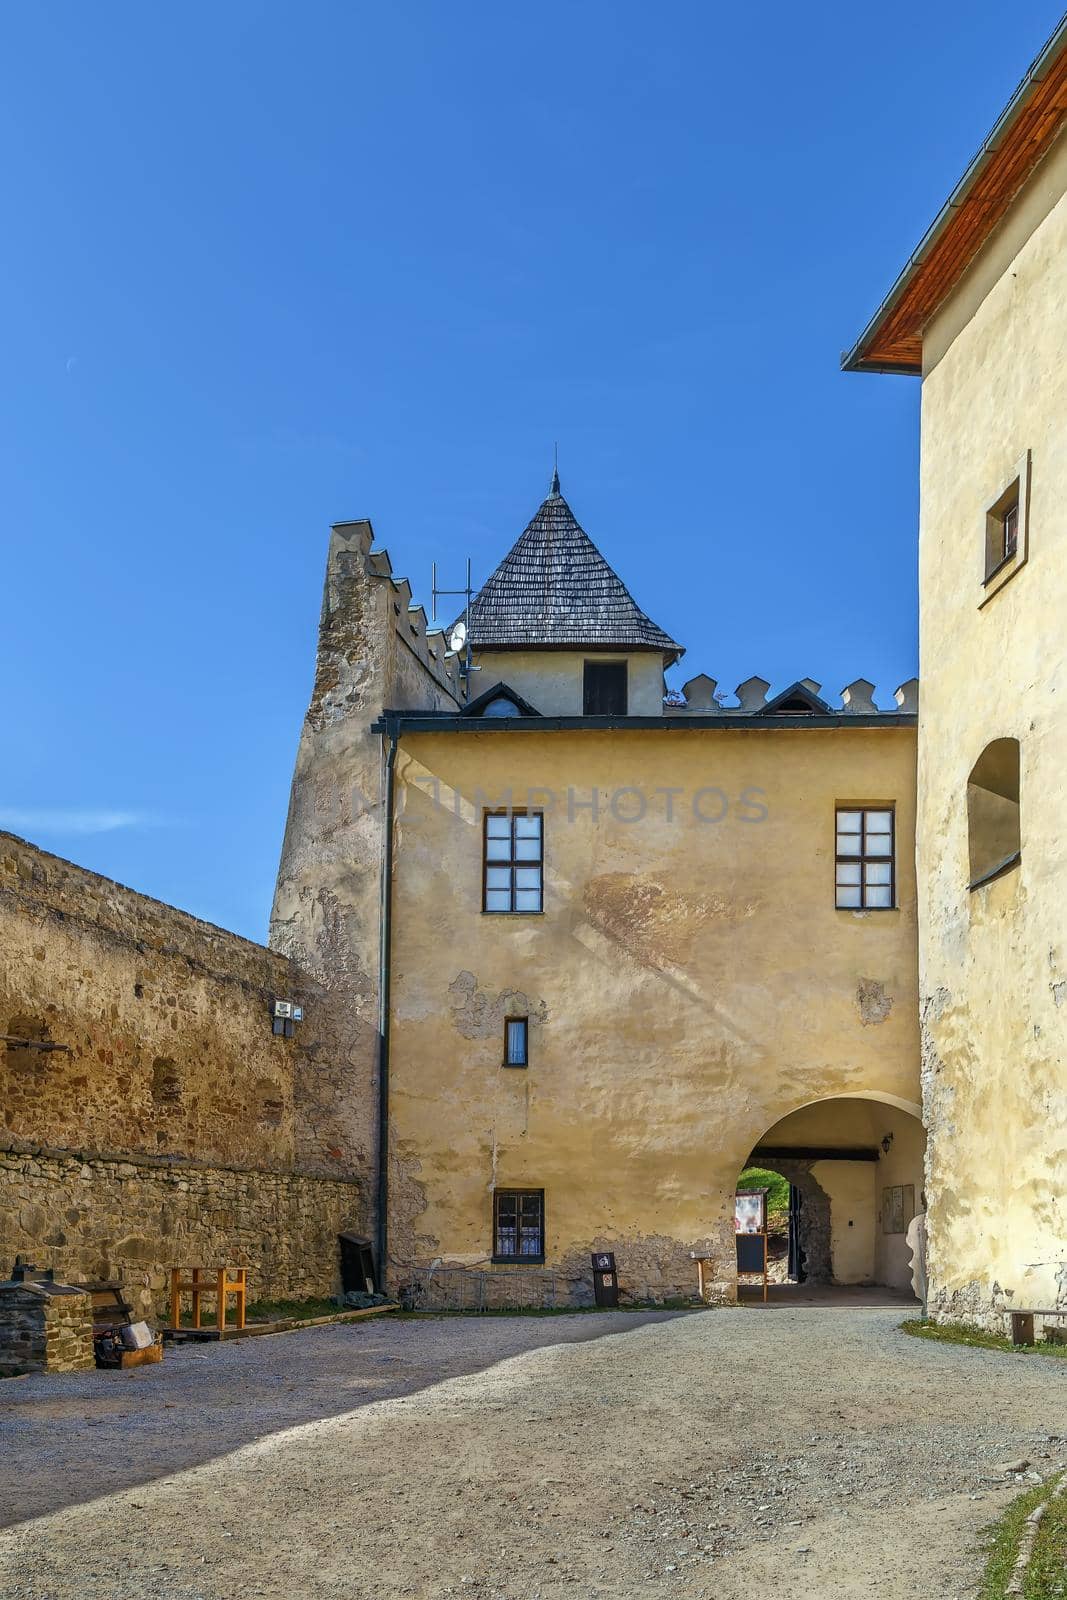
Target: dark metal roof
point(753, 722)
point(499, 691)
point(554, 589)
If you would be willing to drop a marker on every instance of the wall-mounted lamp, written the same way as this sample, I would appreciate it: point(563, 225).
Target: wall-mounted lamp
point(886, 1142)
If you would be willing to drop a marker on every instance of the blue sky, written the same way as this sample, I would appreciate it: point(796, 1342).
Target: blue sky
point(271, 266)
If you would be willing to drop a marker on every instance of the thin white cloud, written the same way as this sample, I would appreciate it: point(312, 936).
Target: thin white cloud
point(87, 821)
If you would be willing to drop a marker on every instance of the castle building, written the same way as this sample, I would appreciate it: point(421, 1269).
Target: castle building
point(980, 315)
point(604, 947)
point(569, 953)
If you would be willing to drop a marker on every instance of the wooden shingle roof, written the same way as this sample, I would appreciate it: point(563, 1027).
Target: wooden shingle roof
point(554, 589)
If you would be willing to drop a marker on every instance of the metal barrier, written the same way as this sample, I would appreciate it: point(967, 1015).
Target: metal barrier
point(471, 1289)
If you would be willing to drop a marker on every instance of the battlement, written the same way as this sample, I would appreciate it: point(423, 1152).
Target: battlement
point(409, 617)
point(701, 696)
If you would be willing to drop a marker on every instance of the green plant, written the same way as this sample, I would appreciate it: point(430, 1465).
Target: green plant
point(777, 1189)
point(286, 1310)
point(1046, 1576)
point(977, 1338)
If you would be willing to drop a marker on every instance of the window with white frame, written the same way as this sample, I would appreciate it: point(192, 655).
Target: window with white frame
point(513, 861)
point(865, 865)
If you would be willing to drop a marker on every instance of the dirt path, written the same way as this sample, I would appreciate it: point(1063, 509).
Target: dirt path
point(731, 1455)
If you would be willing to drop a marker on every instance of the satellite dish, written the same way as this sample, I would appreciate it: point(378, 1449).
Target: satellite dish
point(458, 637)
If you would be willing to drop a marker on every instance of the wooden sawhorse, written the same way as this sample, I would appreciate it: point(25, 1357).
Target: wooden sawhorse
point(219, 1281)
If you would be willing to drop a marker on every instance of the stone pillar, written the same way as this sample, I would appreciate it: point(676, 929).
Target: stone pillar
point(45, 1327)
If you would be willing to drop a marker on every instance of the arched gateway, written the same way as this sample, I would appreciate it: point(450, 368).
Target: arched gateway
point(854, 1164)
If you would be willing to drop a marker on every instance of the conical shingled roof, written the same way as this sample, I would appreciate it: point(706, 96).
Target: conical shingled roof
point(554, 588)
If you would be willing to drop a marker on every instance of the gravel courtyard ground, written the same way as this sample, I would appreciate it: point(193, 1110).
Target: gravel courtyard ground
point(729, 1454)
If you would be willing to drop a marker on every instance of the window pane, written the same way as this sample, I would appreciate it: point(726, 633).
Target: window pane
point(848, 822)
point(848, 872)
point(498, 900)
point(878, 898)
point(848, 897)
point(517, 1043)
point(498, 877)
point(498, 849)
point(879, 821)
point(498, 827)
point(527, 849)
point(528, 877)
point(528, 827)
point(527, 900)
point(848, 844)
point(878, 872)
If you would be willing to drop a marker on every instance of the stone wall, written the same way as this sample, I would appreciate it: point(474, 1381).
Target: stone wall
point(131, 1218)
point(157, 1030)
point(374, 652)
point(44, 1328)
point(151, 1118)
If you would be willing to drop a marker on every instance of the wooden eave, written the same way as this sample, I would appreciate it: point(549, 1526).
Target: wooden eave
point(1023, 135)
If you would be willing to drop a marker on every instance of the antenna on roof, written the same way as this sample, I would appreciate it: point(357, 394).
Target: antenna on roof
point(459, 640)
point(555, 470)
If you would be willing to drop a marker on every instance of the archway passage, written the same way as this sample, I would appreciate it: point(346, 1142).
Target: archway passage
point(854, 1170)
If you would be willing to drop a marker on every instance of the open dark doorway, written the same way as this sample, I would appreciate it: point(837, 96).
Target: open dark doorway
point(787, 1256)
point(796, 1267)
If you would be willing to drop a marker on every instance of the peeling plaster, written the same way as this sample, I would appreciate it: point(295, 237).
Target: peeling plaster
point(479, 1013)
point(874, 1002)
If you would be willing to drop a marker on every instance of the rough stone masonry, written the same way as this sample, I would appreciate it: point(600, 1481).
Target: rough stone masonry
point(151, 1117)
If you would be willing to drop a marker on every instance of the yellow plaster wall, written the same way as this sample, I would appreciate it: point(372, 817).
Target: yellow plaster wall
point(851, 1188)
point(551, 680)
point(994, 961)
point(689, 984)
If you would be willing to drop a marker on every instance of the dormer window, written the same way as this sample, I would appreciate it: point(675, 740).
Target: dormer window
point(604, 689)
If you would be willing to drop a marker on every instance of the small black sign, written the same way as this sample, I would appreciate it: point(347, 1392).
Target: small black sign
point(751, 1252)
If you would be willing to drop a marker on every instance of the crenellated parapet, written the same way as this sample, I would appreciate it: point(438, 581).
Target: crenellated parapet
point(409, 617)
point(701, 696)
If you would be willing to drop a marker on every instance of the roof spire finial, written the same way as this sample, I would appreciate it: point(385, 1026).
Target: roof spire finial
point(555, 470)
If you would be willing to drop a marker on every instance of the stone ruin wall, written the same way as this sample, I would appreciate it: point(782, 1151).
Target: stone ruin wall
point(165, 1124)
point(374, 653)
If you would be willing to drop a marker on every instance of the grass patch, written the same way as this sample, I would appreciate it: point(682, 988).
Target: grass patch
point(285, 1310)
point(1046, 1577)
point(269, 1311)
point(978, 1339)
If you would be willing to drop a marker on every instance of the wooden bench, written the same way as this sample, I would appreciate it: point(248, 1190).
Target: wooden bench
point(1022, 1321)
point(219, 1281)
